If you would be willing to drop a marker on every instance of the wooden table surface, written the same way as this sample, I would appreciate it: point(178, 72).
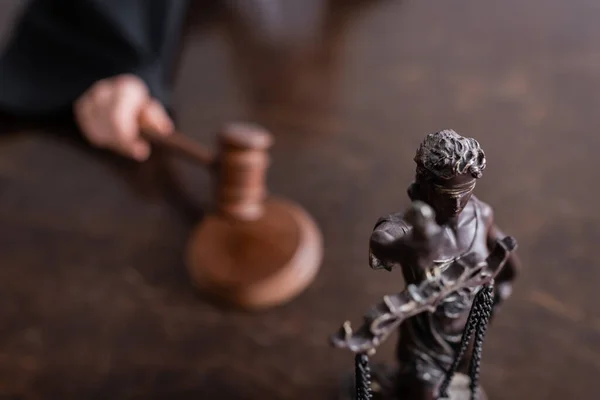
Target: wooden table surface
point(94, 299)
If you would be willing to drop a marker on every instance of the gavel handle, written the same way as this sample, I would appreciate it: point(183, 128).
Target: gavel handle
point(180, 144)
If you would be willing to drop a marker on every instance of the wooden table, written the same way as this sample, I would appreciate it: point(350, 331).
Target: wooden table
point(95, 302)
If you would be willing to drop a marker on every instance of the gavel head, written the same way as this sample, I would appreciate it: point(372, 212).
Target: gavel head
point(256, 251)
point(241, 167)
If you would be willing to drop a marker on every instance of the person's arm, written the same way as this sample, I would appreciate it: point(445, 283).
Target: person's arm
point(59, 48)
point(105, 60)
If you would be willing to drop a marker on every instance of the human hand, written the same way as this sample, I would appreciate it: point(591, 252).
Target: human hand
point(108, 115)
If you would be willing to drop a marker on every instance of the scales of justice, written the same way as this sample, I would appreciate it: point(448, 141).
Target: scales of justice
point(458, 267)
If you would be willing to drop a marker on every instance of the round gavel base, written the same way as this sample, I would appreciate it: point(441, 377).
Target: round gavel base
point(256, 264)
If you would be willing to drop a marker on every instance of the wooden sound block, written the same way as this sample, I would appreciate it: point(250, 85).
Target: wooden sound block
point(255, 264)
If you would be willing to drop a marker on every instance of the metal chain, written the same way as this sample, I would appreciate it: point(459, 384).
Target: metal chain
point(362, 377)
point(477, 323)
point(486, 305)
point(479, 317)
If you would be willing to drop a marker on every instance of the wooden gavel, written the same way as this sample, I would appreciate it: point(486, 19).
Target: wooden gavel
point(255, 251)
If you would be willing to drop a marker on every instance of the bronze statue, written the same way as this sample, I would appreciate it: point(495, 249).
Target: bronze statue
point(457, 266)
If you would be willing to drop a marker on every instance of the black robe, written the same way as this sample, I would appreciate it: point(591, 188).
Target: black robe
point(59, 48)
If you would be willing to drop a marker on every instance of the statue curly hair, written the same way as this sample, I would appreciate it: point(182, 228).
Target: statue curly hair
point(446, 154)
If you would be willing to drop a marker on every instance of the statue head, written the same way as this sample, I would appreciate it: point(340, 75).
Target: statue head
point(448, 166)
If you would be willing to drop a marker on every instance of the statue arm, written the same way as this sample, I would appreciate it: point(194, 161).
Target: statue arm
point(511, 268)
point(513, 265)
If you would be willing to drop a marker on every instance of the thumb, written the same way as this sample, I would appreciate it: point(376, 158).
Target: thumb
point(154, 117)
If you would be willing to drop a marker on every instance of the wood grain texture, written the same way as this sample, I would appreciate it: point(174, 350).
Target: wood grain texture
point(94, 299)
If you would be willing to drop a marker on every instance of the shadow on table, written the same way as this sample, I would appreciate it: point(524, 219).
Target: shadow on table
point(176, 384)
point(155, 178)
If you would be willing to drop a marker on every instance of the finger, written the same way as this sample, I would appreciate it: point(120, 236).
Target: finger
point(130, 99)
point(140, 150)
point(137, 150)
point(100, 92)
point(154, 117)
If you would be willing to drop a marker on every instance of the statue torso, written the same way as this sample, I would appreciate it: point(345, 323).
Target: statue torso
point(430, 339)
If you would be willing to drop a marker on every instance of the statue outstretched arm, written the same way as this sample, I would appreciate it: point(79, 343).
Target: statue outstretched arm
point(412, 237)
point(383, 244)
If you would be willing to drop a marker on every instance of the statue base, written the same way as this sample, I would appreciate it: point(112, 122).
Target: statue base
point(385, 384)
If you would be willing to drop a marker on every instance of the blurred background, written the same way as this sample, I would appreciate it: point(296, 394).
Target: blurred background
point(94, 299)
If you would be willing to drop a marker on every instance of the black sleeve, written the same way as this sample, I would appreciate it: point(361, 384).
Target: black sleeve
point(59, 48)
